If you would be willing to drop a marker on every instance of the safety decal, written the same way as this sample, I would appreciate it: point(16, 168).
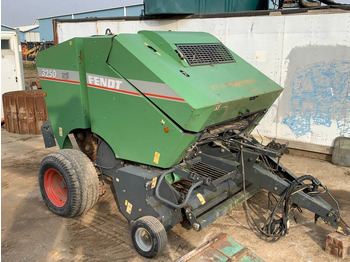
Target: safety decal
point(201, 198)
point(129, 208)
point(154, 182)
point(156, 157)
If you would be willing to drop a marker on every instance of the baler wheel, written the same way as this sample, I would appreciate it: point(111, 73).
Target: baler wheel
point(68, 182)
point(148, 236)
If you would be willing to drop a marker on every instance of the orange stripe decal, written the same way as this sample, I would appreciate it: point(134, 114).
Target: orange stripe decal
point(59, 80)
point(165, 97)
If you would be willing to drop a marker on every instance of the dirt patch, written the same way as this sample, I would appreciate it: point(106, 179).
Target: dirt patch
point(30, 232)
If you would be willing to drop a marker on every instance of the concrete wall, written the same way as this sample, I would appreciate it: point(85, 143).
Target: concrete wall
point(307, 54)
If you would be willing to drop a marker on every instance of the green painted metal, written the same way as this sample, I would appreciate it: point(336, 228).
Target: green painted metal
point(66, 102)
point(172, 178)
point(157, 7)
point(228, 86)
point(221, 248)
point(132, 93)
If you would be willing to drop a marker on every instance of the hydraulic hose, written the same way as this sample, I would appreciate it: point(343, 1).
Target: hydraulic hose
point(166, 201)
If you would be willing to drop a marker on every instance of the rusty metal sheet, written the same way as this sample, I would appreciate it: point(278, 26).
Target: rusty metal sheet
point(24, 111)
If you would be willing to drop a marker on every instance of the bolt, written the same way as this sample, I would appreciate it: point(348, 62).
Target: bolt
point(329, 214)
point(275, 188)
point(200, 152)
point(222, 150)
point(196, 226)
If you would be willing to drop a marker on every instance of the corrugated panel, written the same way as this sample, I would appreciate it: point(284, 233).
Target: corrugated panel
point(158, 7)
point(25, 111)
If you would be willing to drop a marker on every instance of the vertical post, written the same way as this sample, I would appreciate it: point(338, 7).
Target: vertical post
point(19, 62)
point(124, 10)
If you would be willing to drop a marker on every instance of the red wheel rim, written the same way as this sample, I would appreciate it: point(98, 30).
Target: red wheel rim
point(55, 187)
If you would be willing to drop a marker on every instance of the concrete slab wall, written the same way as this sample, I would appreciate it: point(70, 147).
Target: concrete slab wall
point(306, 53)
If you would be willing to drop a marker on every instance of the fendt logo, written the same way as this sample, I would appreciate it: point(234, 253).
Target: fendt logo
point(104, 81)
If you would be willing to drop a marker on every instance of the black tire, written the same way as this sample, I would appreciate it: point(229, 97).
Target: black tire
point(68, 183)
point(148, 236)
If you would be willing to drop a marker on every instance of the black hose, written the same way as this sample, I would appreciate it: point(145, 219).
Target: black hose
point(276, 226)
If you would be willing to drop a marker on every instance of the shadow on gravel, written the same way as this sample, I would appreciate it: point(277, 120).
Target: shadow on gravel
point(103, 234)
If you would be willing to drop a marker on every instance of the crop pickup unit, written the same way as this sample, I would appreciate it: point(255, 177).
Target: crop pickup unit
point(168, 116)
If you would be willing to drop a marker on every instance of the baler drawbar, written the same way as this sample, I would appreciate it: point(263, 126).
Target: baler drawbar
point(167, 116)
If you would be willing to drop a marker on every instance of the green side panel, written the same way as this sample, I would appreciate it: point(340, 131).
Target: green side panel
point(157, 7)
point(131, 124)
point(66, 102)
point(212, 93)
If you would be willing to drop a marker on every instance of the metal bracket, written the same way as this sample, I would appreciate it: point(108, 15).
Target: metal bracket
point(48, 135)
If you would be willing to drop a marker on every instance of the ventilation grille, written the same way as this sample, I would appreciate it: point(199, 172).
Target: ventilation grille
point(205, 54)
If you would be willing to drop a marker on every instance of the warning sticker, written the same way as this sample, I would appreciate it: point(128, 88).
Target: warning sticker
point(154, 182)
point(129, 208)
point(201, 198)
point(156, 157)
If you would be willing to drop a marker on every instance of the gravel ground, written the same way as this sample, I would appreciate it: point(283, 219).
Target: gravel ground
point(30, 232)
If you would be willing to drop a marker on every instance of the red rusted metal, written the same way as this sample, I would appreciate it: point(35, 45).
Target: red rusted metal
point(55, 35)
point(338, 245)
point(24, 111)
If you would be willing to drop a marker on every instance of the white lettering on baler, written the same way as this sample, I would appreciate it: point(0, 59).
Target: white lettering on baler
point(104, 81)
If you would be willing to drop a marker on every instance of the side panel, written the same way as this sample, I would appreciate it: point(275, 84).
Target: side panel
point(134, 128)
point(62, 78)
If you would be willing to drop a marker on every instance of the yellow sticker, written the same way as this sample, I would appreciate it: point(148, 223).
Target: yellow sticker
point(201, 198)
point(117, 179)
point(129, 208)
point(156, 157)
point(126, 202)
point(60, 131)
point(70, 43)
point(154, 182)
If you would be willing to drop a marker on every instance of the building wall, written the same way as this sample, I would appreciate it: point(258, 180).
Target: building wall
point(32, 36)
point(302, 52)
point(45, 25)
point(21, 34)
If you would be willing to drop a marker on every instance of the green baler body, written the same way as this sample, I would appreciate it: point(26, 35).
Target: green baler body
point(147, 102)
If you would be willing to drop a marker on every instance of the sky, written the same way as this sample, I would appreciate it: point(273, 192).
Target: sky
point(23, 12)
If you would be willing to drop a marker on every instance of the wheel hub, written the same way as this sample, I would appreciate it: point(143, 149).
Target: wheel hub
point(143, 239)
point(55, 187)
